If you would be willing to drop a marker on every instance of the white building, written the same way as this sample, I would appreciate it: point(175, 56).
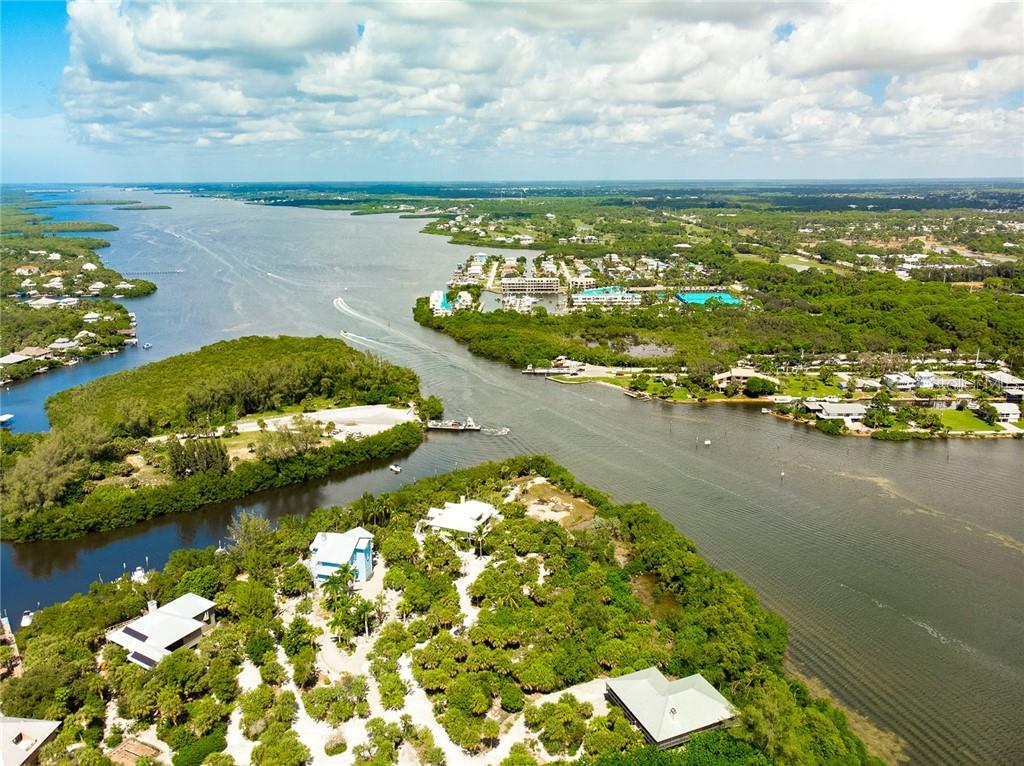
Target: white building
point(89, 267)
point(529, 285)
point(180, 623)
point(1001, 380)
point(581, 283)
point(1007, 412)
point(899, 381)
point(669, 712)
point(850, 411)
point(606, 297)
point(924, 379)
point(467, 517)
point(740, 376)
point(91, 317)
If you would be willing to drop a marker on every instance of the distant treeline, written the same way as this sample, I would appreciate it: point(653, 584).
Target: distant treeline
point(787, 312)
point(224, 381)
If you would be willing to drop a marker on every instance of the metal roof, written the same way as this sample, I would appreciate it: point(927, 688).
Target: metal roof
point(670, 709)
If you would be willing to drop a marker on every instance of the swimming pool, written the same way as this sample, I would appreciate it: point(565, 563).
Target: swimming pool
point(702, 298)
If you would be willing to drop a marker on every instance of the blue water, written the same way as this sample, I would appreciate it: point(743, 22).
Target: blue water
point(702, 298)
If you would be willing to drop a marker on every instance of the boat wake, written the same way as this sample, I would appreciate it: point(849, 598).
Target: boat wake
point(503, 431)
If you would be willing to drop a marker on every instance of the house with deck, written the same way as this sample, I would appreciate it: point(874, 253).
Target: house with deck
point(469, 518)
point(330, 550)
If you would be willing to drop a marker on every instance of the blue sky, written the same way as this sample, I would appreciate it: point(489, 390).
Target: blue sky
point(100, 90)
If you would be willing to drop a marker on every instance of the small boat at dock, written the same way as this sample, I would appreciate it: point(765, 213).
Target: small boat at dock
point(765, 411)
point(147, 345)
point(6, 420)
point(395, 468)
point(26, 618)
point(453, 425)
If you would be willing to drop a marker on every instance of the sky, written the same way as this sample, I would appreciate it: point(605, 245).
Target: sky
point(118, 91)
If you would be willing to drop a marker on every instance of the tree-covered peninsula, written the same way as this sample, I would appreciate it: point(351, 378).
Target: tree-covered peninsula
point(479, 650)
point(219, 423)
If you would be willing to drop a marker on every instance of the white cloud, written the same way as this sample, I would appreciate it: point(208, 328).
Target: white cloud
point(587, 80)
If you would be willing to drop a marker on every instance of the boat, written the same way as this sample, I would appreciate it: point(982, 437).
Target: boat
point(26, 618)
point(6, 419)
point(453, 425)
point(139, 575)
point(395, 468)
point(765, 411)
point(147, 345)
point(40, 370)
point(707, 442)
point(70, 362)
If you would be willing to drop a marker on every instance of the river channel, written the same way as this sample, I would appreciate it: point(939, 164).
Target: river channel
point(899, 567)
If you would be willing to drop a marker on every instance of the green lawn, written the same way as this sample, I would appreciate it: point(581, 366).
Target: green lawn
point(808, 386)
point(965, 420)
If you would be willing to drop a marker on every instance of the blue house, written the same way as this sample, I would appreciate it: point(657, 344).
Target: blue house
point(329, 550)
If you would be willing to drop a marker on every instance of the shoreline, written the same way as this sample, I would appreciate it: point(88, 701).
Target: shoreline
point(792, 419)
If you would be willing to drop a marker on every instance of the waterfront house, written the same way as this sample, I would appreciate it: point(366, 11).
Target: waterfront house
point(669, 712)
point(63, 344)
point(180, 623)
point(466, 517)
point(740, 376)
point(1002, 380)
point(13, 358)
point(849, 411)
point(34, 352)
point(899, 381)
point(21, 739)
point(89, 267)
point(91, 317)
point(329, 550)
point(924, 379)
point(1006, 412)
point(43, 303)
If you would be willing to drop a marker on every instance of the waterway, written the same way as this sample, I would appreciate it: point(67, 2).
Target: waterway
point(899, 566)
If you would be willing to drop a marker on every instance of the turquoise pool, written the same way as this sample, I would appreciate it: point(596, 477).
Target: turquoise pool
point(702, 298)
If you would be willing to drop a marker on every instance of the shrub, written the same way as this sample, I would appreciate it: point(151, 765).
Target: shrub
point(335, 744)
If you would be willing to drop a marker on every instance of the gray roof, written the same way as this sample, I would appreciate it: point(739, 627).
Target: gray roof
point(670, 709)
point(1006, 408)
point(843, 409)
point(20, 738)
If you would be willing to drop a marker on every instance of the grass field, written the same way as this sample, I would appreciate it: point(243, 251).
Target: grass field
point(964, 420)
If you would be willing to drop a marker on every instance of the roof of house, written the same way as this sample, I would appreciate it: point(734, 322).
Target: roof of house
point(1004, 378)
point(20, 738)
point(669, 709)
point(843, 409)
point(1006, 408)
point(149, 636)
point(465, 516)
point(336, 548)
point(13, 358)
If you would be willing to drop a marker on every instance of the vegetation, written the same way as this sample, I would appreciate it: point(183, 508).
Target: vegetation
point(225, 381)
point(76, 479)
point(582, 621)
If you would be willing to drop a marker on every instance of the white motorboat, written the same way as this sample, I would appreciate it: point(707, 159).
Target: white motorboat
point(395, 468)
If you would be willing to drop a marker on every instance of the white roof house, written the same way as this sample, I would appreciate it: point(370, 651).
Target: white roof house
point(92, 316)
point(1003, 379)
point(466, 516)
point(899, 381)
point(43, 303)
point(22, 738)
point(1007, 411)
point(88, 267)
point(160, 631)
point(13, 359)
point(842, 411)
point(668, 712)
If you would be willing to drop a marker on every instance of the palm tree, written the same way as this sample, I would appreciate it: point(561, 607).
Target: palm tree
point(338, 585)
point(363, 611)
point(339, 625)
